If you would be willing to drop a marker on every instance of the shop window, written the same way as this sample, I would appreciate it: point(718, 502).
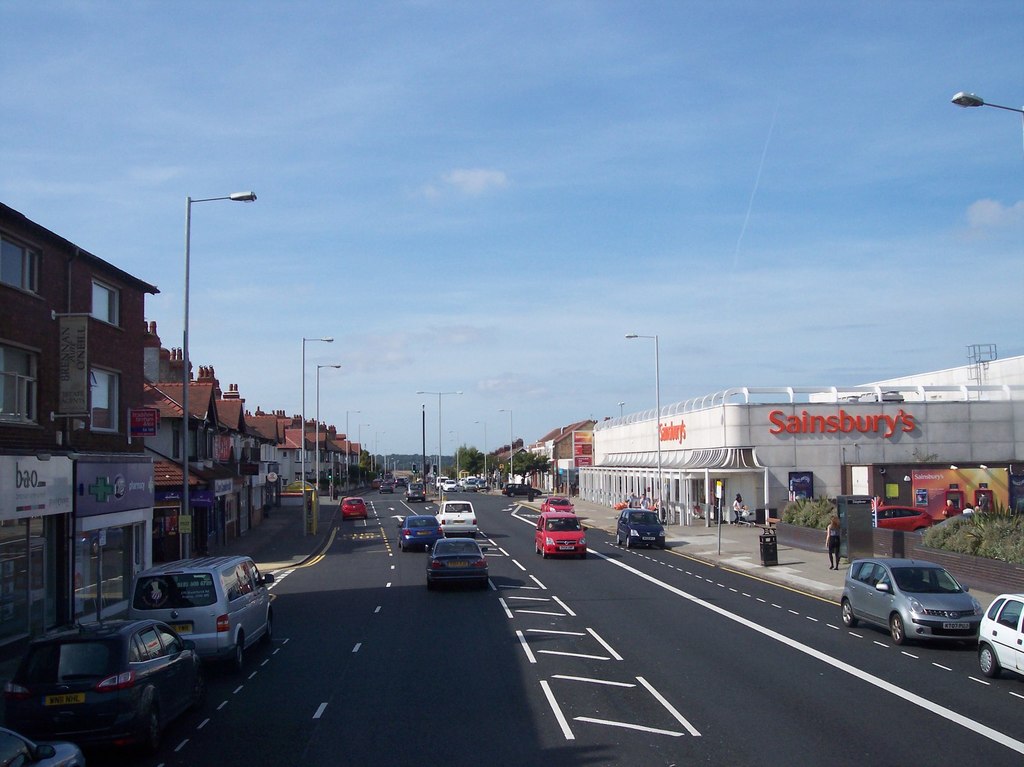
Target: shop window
point(103, 571)
point(17, 385)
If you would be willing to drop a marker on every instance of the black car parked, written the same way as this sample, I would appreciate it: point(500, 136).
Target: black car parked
point(117, 682)
point(515, 488)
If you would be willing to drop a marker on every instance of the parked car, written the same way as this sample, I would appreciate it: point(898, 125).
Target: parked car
point(914, 599)
point(457, 518)
point(516, 488)
point(1001, 636)
point(419, 530)
point(560, 533)
point(903, 518)
point(387, 486)
point(353, 507)
point(221, 604)
point(454, 560)
point(415, 491)
point(556, 503)
point(17, 750)
point(118, 682)
point(639, 527)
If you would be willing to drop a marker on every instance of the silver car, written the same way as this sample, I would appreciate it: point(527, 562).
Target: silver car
point(912, 598)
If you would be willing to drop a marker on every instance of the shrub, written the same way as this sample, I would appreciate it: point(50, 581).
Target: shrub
point(995, 534)
point(806, 512)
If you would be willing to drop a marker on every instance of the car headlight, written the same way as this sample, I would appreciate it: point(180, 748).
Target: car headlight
point(583, 541)
point(549, 541)
point(916, 607)
point(978, 609)
point(634, 532)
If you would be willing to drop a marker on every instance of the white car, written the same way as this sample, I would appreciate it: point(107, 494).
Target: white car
point(457, 518)
point(449, 486)
point(1001, 636)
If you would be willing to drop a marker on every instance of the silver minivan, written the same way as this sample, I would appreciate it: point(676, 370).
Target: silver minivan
point(222, 604)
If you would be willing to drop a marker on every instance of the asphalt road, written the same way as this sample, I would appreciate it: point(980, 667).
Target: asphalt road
point(638, 657)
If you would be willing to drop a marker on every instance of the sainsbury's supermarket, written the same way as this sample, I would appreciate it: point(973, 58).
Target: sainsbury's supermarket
point(950, 437)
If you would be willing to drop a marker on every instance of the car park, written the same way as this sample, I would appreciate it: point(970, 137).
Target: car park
point(560, 533)
point(18, 750)
point(119, 682)
point(415, 491)
point(353, 507)
point(221, 604)
point(557, 503)
point(914, 599)
point(457, 560)
point(419, 530)
point(1001, 636)
point(457, 518)
point(905, 518)
point(639, 527)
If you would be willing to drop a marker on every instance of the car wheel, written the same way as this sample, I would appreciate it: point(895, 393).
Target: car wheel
point(150, 735)
point(238, 659)
point(268, 635)
point(618, 540)
point(988, 661)
point(896, 629)
point(848, 617)
point(198, 691)
point(629, 542)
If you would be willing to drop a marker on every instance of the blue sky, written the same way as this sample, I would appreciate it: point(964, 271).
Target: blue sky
point(488, 196)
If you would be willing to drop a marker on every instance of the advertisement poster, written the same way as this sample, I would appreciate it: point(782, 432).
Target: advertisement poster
point(962, 488)
point(801, 485)
point(583, 448)
point(73, 366)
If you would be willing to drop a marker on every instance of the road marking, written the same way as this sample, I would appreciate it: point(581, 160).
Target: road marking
point(531, 599)
point(537, 581)
point(181, 745)
point(565, 607)
point(930, 706)
point(604, 644)
point(377, 610)
point(566, 731)
point(526, 647)
point(560, 633)
point(628, 726)
point(572, 654)
point(910, 655)
point(944, 668)
point(541, 612)
point(320, 711)
point(590, 680)
point(356, 648)
point(669, 707)
point(203, 723)
point(504, 606)
point(980, 681)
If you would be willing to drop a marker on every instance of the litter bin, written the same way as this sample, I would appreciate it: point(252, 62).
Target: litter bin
point(769, 548)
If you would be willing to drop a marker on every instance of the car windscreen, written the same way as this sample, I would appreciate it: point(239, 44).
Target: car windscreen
point(925, 580)
point(643, 518)
point(55, 662)
point(421, 522)
point(174, 591)
point(450, 547)
point(457, 508)
point(563, 524)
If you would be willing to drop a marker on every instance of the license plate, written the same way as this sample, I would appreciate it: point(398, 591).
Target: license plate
point(648, 537)
point(956, 626)
point(65, 699)
point(566, 548)
point(182, 628)
point(458, 563)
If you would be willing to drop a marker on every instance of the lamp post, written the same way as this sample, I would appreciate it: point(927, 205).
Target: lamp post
point(317, 440)
point(485, 449)
point(440, 434)
point(302, 431)
point(185, 372)
point(348, 446)
point(657, 419)
point(621, 405)
point(457, 464)
point(510, 442)
point(359, 463)
point(964, 99)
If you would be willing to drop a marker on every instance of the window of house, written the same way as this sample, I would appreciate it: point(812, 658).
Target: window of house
point(105, 302)
point(19, 265)
point(104, 399)
point(17, 385)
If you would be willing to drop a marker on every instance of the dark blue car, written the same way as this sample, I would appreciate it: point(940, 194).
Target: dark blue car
point(419, 530)
point(639, 527)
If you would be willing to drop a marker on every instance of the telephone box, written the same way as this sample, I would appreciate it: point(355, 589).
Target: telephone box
point(855, 521)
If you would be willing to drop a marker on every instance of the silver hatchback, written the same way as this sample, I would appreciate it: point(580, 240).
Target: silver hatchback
point(912, 598)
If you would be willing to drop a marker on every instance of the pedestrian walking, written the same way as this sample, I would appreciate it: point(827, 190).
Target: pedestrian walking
point(832, 533)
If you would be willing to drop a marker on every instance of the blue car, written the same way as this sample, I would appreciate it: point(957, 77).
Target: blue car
point(419, 530)
point(639, 527)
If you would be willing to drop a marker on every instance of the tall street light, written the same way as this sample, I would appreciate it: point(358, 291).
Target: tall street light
point(457, 464)
point(621, 405)
point(359, 463)
point(317, 432)
point(485, 448)
point(964, 99)
point(510, 442)
point(440, 433)
point(185, 372)
point(348, 446)
point(302, 439)
point(657, 419)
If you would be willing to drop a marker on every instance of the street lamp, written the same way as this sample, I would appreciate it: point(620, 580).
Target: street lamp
point(485, 449)
point(348, 446)
point(185, 372)
point(359, 464)
point(621, 404)
point(440, 434)
point(317, 432)
point(964, 99)
point(457, 464)
point(509, 411)
point(657, 419)
point(302, 432)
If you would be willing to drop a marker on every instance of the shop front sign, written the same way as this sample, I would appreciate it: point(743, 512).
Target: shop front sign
point(842, 422)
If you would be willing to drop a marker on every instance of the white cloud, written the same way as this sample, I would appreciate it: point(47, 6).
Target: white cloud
point(476, 181)
point(989, 214)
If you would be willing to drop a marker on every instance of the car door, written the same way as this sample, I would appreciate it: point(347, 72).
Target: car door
point(255, 596)
point(179, 670)
point(154, 668)
point(1007, 636)
point(871, 602)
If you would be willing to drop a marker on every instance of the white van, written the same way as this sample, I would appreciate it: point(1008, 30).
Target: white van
point(220, 603)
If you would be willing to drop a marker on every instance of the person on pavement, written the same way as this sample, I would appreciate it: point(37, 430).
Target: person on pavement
point(832, 543)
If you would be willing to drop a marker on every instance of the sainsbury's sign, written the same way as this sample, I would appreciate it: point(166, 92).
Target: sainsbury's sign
point(842, 423)
point(673, 432)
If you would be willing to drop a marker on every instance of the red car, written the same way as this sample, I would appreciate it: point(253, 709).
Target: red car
point(353, 508)
point(557, 503)
point(903, 518)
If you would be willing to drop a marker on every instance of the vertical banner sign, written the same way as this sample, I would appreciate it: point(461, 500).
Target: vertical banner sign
point(73, 370)
point(583, 448)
